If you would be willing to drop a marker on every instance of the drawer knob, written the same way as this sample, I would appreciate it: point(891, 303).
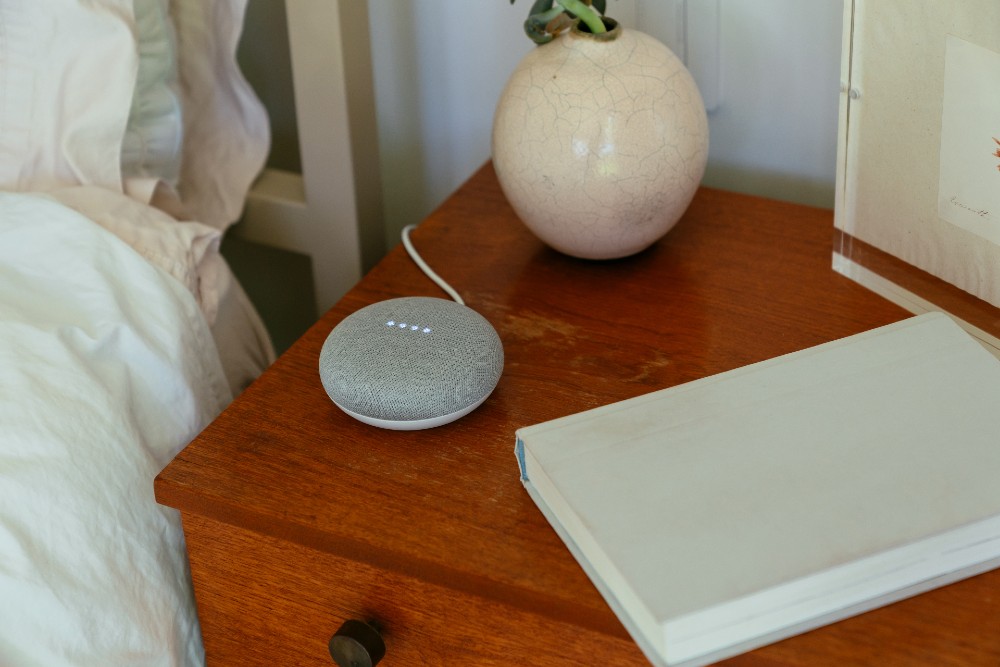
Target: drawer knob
point(357, 644)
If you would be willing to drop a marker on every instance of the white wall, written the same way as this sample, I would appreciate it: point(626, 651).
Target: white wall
point(774, 132)
point(441, 64)
point(439, 68)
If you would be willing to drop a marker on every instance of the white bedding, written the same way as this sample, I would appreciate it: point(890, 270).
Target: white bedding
point(188, 251)
point(107, 369)
point(122, 330)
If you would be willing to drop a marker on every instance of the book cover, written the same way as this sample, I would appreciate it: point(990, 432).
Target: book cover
point(726, 513)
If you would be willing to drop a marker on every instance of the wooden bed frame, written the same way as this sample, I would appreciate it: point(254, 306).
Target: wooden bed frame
point(332, 211)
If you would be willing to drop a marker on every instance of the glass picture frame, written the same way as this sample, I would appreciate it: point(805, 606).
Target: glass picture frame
point(917, 214)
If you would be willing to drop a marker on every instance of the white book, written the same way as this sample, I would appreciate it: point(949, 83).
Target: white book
point(729, 512)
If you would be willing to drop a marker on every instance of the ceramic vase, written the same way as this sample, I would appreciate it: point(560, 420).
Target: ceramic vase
point(600, 141)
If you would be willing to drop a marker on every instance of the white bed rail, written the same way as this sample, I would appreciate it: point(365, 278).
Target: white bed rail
point(332, 212)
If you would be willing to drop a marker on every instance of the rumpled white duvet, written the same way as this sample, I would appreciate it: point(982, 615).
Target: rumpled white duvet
point(107, 369)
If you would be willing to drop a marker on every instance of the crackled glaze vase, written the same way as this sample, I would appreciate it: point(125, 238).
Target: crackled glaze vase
point(600, 144)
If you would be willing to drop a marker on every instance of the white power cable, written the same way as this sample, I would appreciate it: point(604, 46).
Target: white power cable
point(415, 256)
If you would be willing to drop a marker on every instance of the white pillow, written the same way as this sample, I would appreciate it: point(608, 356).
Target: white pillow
point(151, 147)
point(226, 131)
point(103, 92)
point(66, 84)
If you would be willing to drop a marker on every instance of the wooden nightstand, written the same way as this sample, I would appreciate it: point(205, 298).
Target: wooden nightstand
point(298, 517)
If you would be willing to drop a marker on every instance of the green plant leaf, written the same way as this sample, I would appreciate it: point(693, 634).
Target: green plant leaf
point(536, 31)
point(547, 18)
point(542, 27)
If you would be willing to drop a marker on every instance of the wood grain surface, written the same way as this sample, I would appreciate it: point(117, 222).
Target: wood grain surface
point(739, 280)
point(295, 598)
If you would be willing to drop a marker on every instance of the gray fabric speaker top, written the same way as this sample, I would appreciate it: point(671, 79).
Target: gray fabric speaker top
point(410, 359)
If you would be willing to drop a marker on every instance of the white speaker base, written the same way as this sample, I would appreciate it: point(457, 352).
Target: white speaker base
point(415, 424)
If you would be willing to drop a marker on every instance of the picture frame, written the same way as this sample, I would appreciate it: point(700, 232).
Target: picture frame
point(917, 213)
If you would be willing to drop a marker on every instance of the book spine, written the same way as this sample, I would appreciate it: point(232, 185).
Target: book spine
point(519, 453)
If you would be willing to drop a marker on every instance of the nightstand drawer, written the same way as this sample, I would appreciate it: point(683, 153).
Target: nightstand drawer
point(263, 601)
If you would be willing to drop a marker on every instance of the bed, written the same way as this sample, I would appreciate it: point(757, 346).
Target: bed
point(129, 144)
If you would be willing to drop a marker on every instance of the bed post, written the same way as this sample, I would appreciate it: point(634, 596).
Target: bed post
point(332, 212)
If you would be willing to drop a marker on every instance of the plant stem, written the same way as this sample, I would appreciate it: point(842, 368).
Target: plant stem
point(549, 15)
point(586, 14)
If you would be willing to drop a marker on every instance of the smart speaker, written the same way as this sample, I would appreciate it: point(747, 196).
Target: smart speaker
point(411, 363)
